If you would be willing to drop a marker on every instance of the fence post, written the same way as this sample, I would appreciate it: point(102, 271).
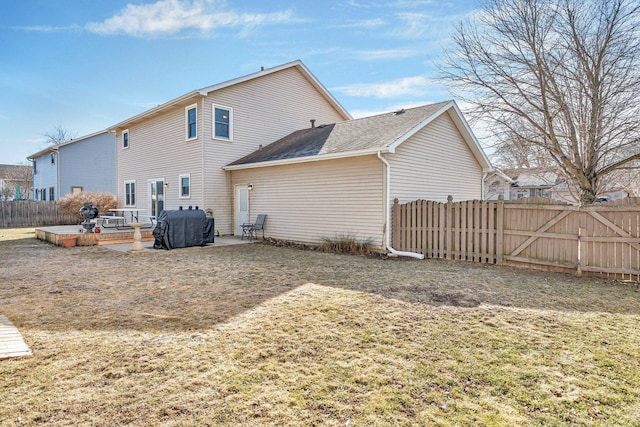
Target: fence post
point(579, 270)
point(395, 231)
point(500, 230)
point(449, 226)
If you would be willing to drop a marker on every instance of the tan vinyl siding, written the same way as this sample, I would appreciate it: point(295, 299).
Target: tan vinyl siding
point(264, 110)
point(434, 163)
point(309, 201)
point(158, 150)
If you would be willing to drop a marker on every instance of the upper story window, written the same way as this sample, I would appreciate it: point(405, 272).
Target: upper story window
point(191, 116)
point(35, 167)
point(129, 193)
point(222, 122)
point(53, 159)
point(125, 138)
point(185, 186)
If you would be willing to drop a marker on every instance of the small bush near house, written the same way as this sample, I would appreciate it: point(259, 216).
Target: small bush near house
point(71, 203)
point(347, 244)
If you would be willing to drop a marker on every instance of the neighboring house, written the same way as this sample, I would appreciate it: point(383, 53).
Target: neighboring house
point(87, 163)
point(497, 184)
point(612, 192)
point(532, 183)
point(15, 182)
point(339, 177)
point(515, 184)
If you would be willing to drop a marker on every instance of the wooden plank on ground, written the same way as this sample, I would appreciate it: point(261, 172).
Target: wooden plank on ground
point(11, 342)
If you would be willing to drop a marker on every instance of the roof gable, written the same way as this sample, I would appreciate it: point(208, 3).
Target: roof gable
point(368, 135)
point(189, 97)
point(55, 147)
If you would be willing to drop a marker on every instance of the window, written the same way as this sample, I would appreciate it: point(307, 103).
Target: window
point(125, 138)
point(129, 193)
point(43, 194)
point(51, 193)
point(185, 186)
point(35, 169)
point(53, 159)
point(76, 189)
point(191, 114)
point(222, 123)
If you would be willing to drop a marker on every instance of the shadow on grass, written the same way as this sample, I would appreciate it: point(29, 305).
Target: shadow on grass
point(197, 288)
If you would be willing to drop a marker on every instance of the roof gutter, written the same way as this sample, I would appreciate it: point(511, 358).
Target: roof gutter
point(387, 218)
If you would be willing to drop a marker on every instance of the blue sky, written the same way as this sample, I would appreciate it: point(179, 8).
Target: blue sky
point(86, 65)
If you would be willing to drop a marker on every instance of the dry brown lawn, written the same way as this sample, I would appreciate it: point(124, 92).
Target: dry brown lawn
point(263, 335)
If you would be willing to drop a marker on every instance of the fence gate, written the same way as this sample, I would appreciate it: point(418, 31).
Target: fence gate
point(603, 239)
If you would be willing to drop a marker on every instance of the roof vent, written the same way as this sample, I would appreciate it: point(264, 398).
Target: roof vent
point(397, 113)
point(313, 123)
point(260, 147)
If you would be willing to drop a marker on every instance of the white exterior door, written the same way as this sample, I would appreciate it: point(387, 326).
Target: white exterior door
point(156, 196)
point(242, 208)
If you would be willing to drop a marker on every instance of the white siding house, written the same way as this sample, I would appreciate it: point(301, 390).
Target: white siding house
point(173, 155)
point(341, 179)
point(276, 142)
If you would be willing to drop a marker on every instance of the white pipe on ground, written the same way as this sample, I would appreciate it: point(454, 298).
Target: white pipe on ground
point(388, 215)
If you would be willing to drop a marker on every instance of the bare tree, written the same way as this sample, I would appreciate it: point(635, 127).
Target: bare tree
point(557, 77)
point(58, 135)
point(17, 178)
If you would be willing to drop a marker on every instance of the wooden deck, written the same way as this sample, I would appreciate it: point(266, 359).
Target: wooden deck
point(107, 236)
point(11, 342)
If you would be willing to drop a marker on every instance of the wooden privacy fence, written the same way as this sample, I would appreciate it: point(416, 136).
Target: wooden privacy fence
point(31, 213)
point(602, 239)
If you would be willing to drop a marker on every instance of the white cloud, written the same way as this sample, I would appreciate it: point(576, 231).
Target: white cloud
point(414, 25)
point(48, 28)
point(3, 117)
point(399, 4)
point(413, 86)
point(170, 17)
point(372, 55)
point(367, 24)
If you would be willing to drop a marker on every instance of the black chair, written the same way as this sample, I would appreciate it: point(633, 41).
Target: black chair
point(250, 230)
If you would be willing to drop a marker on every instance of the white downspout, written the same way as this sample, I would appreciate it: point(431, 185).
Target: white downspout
point(387, 218)
point(201, 138)
point(484, 176)
point(58, 183)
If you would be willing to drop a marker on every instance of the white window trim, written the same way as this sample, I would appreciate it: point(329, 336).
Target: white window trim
point(186, 175)
point(213, 123)
point(135, 190)
point(186, 122)
point(128, 139)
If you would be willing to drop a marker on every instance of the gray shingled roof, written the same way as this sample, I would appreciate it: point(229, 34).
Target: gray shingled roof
point(368, 133)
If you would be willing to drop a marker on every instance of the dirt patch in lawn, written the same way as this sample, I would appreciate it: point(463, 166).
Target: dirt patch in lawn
point(263, 335)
